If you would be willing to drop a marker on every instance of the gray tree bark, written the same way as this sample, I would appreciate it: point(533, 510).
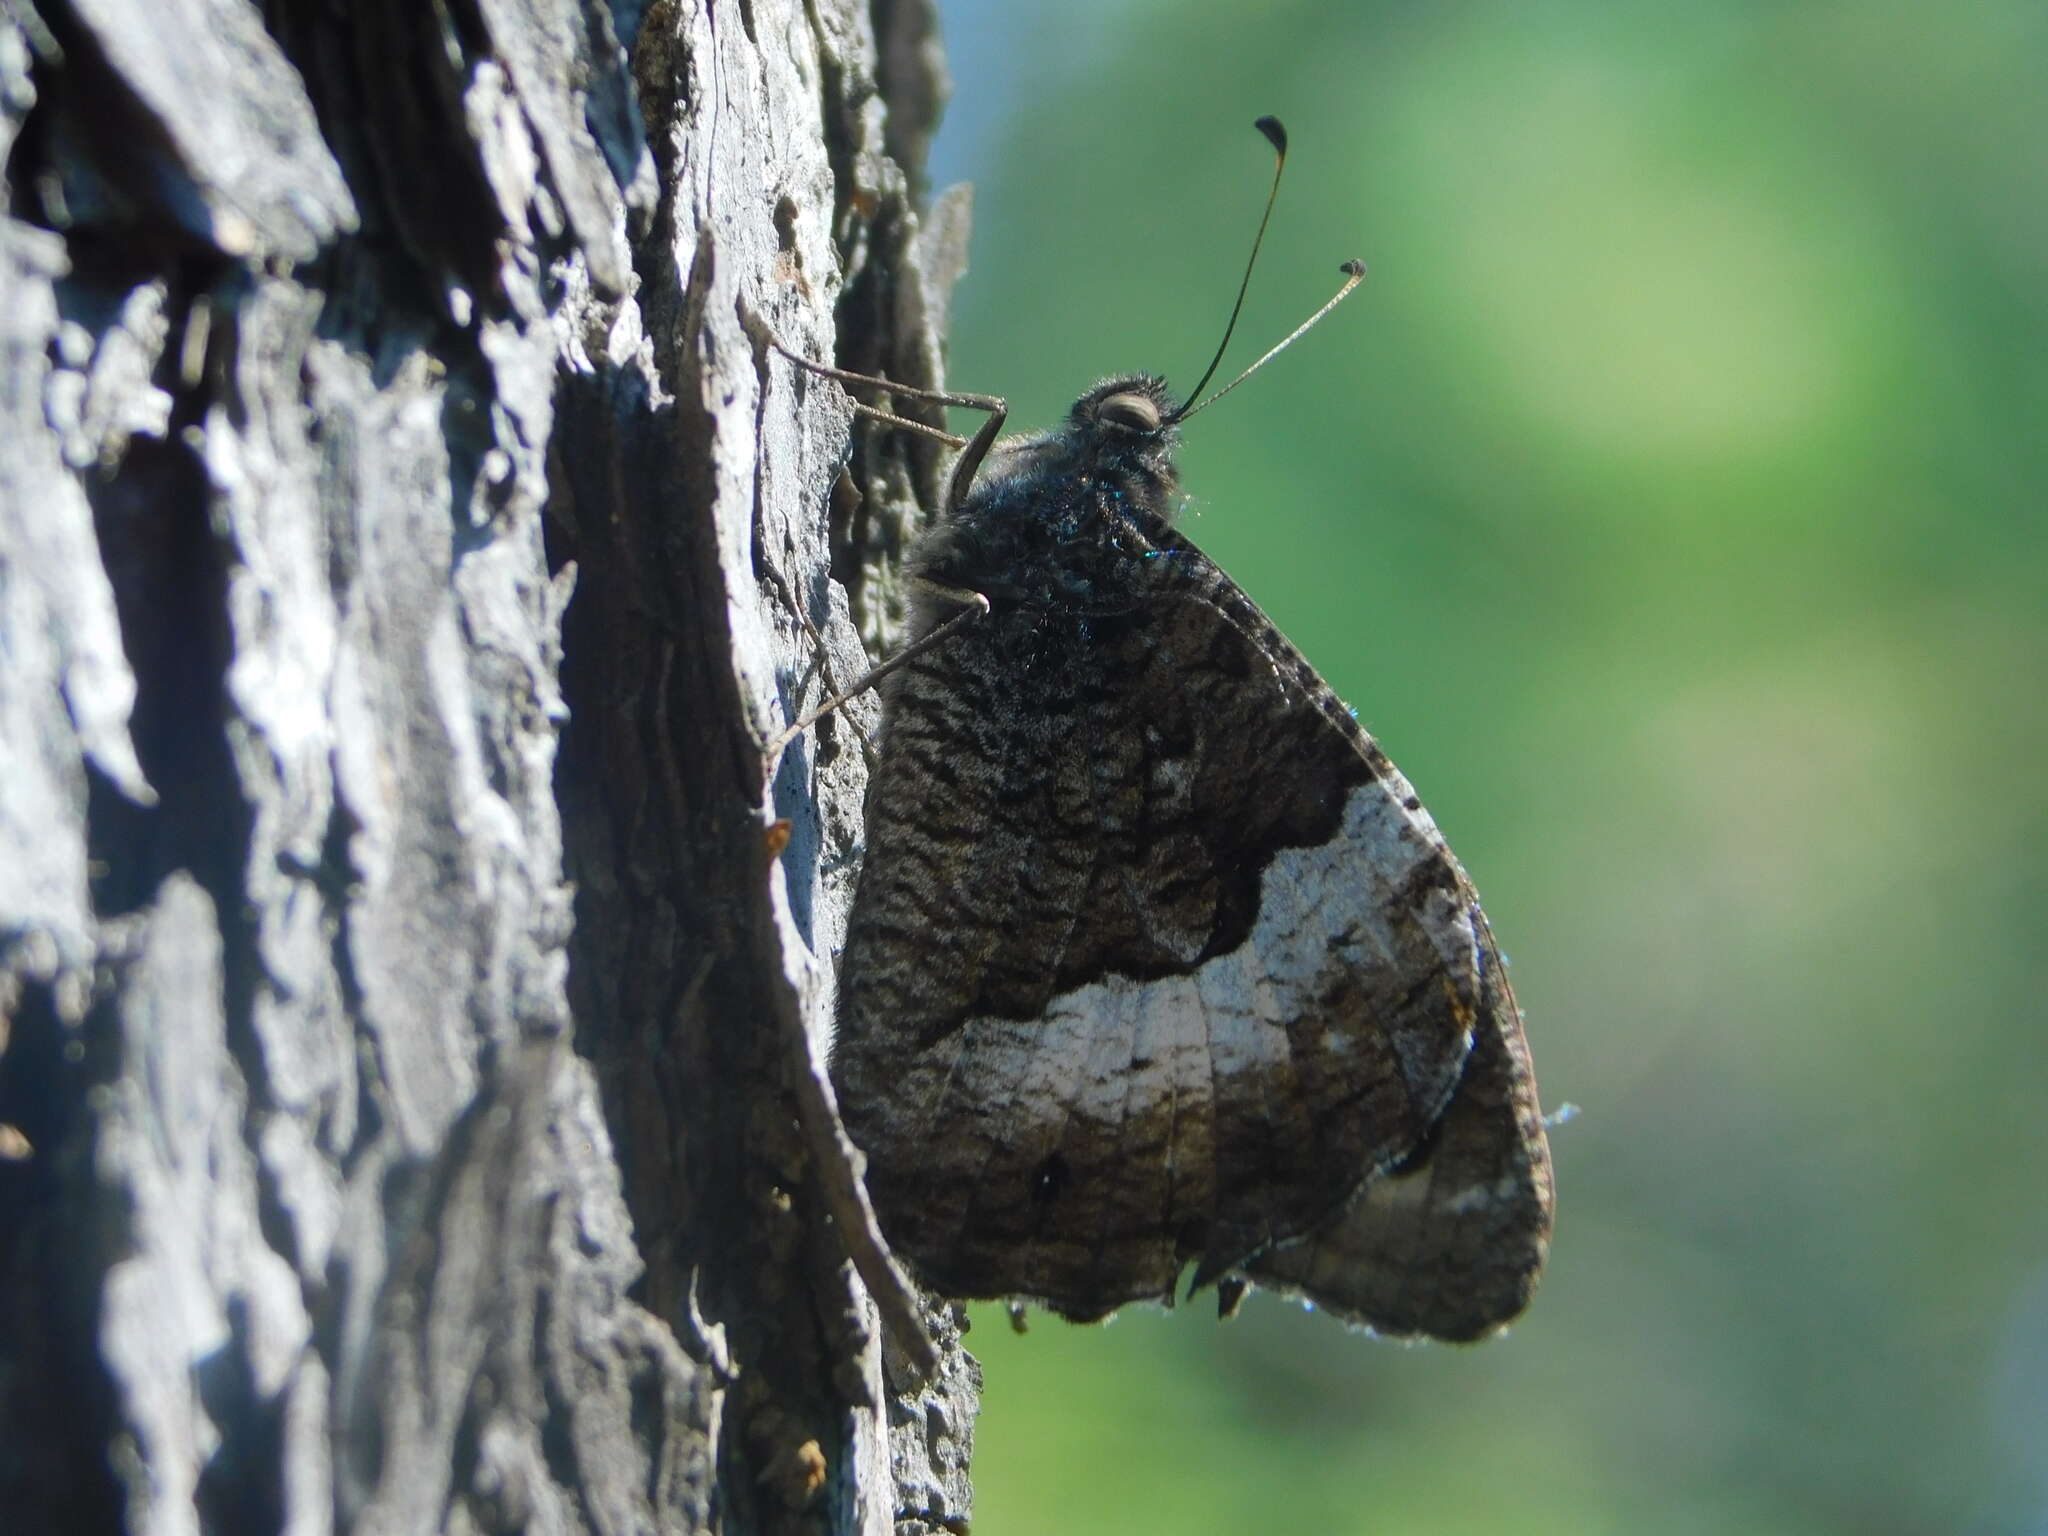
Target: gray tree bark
point(412, 986)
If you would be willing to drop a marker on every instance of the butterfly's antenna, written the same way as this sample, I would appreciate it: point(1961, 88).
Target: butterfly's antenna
point(1277, 137)
point(1354, 274)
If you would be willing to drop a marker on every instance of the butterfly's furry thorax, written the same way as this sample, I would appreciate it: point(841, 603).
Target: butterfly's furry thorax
point(1057, 521)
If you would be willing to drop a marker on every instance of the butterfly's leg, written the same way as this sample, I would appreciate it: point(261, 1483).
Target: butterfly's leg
point(972, 451)
point(974, 605)
point(820, 661)
point(964, 467)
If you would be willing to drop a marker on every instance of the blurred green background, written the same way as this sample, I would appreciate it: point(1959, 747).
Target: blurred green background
point(1670, 504)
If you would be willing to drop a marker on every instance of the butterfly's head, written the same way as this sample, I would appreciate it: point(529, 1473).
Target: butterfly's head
point(1127, 428)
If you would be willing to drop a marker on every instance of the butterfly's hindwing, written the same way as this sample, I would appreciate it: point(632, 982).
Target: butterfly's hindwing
point(1190, 967)
point(1451, 1243)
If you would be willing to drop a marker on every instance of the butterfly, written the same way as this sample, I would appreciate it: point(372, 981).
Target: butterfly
point(1156, 961)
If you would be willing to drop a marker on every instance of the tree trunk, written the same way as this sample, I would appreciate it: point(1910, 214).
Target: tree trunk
point(412, 989)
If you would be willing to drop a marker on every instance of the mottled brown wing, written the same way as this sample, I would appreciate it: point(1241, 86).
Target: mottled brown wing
point(1451, 1244)
point(1155, 959)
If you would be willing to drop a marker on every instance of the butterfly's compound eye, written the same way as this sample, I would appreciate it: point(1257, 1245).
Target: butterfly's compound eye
point(1137, 412)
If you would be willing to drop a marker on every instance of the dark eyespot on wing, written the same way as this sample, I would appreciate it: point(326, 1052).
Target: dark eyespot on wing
point(1050, 1177)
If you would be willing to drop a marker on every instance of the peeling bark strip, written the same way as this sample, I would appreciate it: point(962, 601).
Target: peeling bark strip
point(401, 1087)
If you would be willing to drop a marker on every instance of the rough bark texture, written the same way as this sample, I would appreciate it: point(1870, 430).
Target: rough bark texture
point(407, 542)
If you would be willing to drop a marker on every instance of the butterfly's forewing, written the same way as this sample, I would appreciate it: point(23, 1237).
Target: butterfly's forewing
point(1451, 1244)
point(1155, 957)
